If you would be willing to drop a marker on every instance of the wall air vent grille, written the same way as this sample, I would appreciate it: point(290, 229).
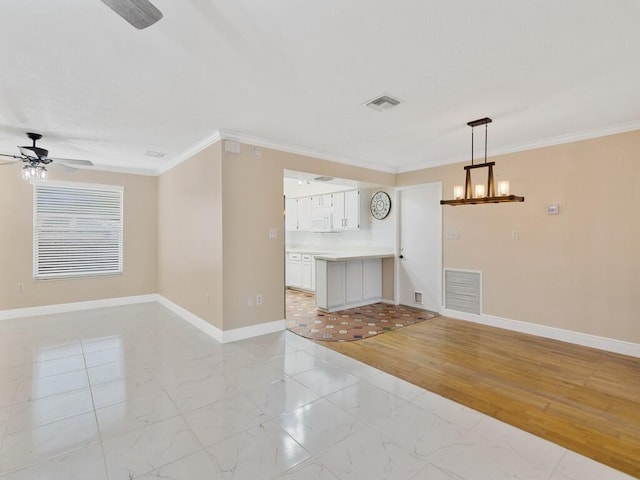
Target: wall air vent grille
point(463, 290)
point(382, 103)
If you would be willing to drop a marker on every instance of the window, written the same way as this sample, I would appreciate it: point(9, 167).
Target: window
point(77, 230)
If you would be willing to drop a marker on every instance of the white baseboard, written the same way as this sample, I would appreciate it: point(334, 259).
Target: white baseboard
point(222, 336)
point(253, 331)
point(76, 306)
point(569, 336)
point(390, 302)
point(202, 325)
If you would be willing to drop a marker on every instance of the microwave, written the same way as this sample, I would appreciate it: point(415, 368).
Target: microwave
point(321, 222)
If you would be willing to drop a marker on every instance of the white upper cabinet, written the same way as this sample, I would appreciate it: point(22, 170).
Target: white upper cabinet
point(304, 214)
point(298, 214)
point(346, 210)
point(291, 213)
point(331, 211)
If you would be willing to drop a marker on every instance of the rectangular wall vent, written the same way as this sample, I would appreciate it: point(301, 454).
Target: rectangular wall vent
point(462, 290)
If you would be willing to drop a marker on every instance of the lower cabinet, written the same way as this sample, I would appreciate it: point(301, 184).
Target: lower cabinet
point(300, 271)
point(293, 271)
point(306, 282)
point(348, 284)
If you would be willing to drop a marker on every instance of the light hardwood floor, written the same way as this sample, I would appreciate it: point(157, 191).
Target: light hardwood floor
point(584, 399)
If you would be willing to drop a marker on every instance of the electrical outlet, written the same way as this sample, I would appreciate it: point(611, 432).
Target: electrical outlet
point(250, 301)
point(515, 235)
point(273, 232)
point(259, 299)
point(21, 288)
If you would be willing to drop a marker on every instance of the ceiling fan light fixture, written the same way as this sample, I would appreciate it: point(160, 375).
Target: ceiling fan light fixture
point(33, 172)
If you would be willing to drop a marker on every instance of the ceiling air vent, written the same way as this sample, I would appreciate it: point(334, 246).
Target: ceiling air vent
point(382, 103)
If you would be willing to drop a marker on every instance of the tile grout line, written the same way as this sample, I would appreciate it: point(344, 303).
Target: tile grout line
point(95, 414)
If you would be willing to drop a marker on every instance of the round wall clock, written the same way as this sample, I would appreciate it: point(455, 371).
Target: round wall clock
point(380, 205)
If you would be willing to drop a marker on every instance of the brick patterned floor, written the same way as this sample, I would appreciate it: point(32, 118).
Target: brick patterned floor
point(304, 319)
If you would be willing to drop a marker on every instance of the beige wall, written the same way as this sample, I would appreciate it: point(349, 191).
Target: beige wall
point(579, 270)
point(190, 257)
point(253, 201)
point(215, 211)
point(198, 235)
point(16, 242)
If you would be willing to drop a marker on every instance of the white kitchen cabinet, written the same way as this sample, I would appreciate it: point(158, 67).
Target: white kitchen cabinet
point(347, 282)
point(293, 272)
point(306, 272)
point(300, 271)
point(298, 214)
point(319, 202)
point(291, 214)
point(304, 214)
point(346, 210)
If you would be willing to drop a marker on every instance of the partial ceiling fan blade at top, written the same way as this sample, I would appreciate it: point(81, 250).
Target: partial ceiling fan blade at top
point(73, 161)
point(139, 13)
point(62, 166)
point(17, 157)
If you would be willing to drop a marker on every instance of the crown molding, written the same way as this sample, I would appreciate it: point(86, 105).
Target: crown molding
point(219, 135)
point(545, 142)
point(210, 139)
point(298, 150)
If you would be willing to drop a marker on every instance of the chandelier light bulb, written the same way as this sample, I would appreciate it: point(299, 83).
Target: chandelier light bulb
point(503, 188)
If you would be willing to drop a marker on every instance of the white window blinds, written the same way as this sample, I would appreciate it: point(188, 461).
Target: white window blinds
point(77, 230)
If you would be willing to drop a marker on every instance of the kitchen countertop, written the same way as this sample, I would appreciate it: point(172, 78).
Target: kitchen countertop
point(343, 254)
point(347, 256)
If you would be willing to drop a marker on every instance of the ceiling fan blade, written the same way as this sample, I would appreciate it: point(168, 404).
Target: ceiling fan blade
point(9, 163)
point(73, 161)
point(27, 152)
point(62, 166)
point(139, 13)
point(11, 156)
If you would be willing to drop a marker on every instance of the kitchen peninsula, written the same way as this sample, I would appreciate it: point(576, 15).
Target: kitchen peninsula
point(348, 280)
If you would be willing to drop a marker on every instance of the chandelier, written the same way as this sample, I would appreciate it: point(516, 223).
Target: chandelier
point(482, 193)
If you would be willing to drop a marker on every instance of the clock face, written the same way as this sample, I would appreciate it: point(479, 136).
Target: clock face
point(380, 205)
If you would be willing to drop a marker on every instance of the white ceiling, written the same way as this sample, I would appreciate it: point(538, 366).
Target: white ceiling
point(294, 74)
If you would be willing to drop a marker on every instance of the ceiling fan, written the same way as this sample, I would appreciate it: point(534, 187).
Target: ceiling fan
point(37, 158)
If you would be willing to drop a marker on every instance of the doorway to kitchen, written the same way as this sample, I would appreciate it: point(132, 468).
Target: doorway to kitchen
point(329, 216)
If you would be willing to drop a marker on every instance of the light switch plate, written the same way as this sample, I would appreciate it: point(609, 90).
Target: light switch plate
point(553, 209)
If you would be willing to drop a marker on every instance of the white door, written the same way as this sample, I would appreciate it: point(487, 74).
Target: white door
point(419, 270)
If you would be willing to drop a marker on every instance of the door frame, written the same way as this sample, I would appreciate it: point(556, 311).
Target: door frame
point(397, 199)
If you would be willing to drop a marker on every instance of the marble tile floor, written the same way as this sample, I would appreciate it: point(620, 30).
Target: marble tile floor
point(135, 392)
